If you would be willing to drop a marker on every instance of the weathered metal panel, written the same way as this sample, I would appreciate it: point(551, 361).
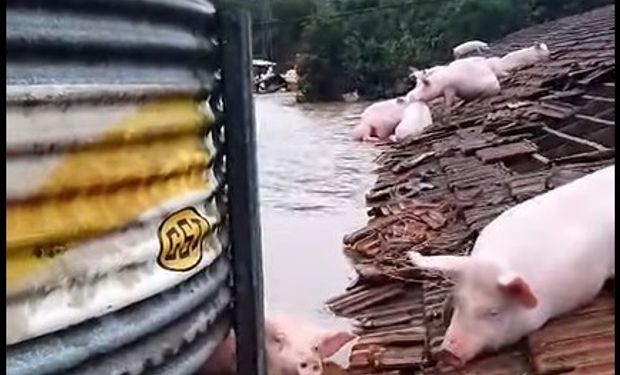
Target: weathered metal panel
point(58, 353)
point(117, 199)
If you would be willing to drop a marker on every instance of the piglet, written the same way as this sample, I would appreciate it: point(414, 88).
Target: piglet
point(379, 120)
point(293, 347)
point(525, 56)
point(468, 79)
point(416, 118)
point(537, 260)
point(469, 47)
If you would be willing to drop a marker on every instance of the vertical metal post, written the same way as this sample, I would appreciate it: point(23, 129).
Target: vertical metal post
point(241, 171)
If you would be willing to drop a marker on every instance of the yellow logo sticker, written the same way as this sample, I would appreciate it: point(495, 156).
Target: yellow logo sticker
point(181, 238)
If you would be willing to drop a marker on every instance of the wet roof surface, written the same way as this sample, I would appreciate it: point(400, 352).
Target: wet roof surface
point(551, 124)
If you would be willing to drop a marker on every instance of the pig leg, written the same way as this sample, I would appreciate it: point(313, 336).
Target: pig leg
point(370, 138)
point(447, 310)
point(448, 95)
point(364, 132)
point(450, 265)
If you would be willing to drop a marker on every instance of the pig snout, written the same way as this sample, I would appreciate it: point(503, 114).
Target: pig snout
point(456, 351)
point(445, 356)
point(310, 367)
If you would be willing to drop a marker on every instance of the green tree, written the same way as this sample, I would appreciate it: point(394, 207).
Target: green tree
point(286, 39)
point(368, 44)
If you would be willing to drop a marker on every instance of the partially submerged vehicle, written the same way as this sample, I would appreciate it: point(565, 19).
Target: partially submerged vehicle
point(266, 80)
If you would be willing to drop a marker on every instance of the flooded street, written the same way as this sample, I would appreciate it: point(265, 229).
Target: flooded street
point(312, 181)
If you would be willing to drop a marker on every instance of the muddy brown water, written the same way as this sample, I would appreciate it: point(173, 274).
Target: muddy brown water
point(312, 181)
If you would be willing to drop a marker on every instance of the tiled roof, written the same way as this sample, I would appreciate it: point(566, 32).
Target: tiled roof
point(551, 123)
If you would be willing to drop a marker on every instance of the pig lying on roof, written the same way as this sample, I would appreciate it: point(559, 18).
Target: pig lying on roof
point(379, 120)
point(525, 56)
point(416, 118)
point(537, 260)
point(495, 63)
point(292, 346)
point(469, 47)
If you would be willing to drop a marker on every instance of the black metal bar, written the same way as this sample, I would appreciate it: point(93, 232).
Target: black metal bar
point(243, 191)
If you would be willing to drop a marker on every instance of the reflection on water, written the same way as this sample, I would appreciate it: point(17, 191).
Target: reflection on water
point(312, 181)
point(306, 158)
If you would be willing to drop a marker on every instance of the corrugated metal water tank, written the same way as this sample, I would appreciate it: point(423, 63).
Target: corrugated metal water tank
point(117, 235)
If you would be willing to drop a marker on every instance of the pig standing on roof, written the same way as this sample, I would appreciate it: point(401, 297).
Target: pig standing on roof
point(469, 47)
point(468, 79)
point(379, 120)
point(292, 347)
point(416, 118)
point(525, 56)
point(418, 74)
point(539, 259)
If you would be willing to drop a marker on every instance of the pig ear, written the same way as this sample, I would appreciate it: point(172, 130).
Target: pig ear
point(514, 286)
point(541, 46)
point(273, 334)
point(332, 342)
point(451, 265)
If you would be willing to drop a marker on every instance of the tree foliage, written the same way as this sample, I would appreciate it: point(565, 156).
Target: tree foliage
point(368, 45)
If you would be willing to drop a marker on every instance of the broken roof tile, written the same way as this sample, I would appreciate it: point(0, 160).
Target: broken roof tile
point(580, 343)
point(507, 363)
point(511, 150)
point(526, 186)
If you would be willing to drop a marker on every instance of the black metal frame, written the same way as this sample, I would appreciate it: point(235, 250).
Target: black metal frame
point(241, 170)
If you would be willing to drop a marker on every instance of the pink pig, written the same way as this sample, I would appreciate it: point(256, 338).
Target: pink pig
point(418, 74)
point(379, 120)
point(293, 347)
point(416, 118)
point(495, 63)
point(467, 78)
point(537, 260)
point(524, 56)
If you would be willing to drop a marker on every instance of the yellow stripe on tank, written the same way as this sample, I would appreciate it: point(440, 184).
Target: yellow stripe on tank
point(160, 171)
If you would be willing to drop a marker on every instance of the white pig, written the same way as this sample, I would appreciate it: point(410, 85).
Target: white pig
point(416, 118)
point(468, 47)
point(293, 347)
point(418, 74)
point(537, 260)
point(525, 56)
point(495, 63)
point(468, 79)
point(379, 120)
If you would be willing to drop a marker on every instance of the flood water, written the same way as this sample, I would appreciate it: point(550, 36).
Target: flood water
point(312, 180)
